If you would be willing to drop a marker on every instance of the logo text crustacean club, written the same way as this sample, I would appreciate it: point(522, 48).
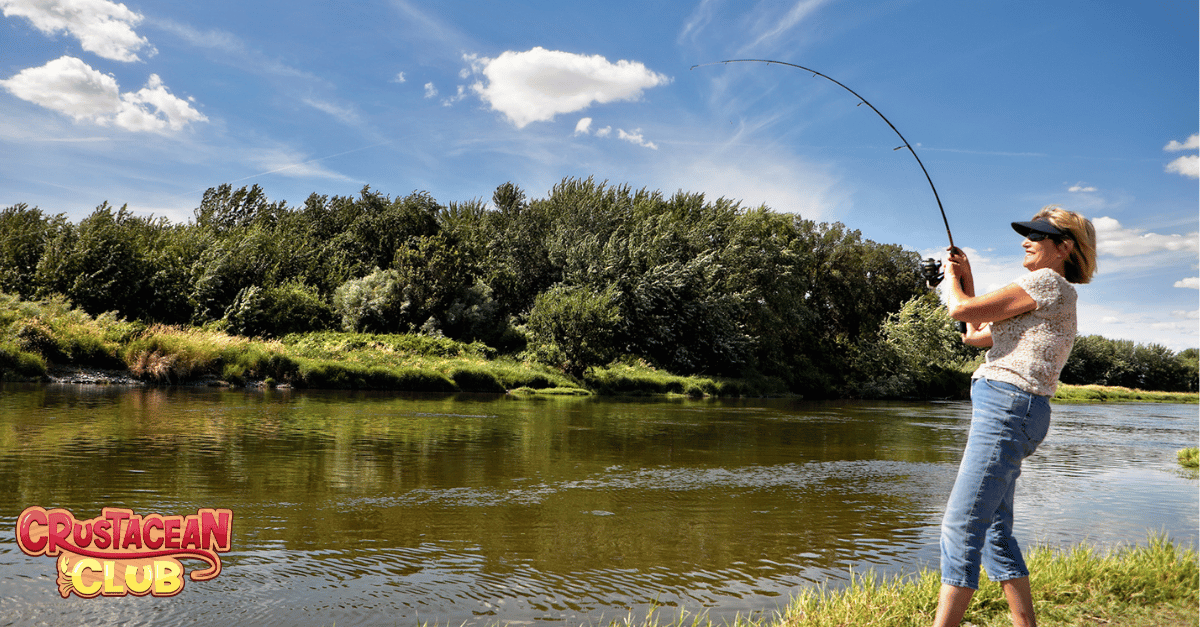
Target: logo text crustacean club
point(120, 552)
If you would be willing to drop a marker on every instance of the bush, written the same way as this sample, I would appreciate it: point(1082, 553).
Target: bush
point(372, 304)
point(573, 328)
point(277, 311)
point(476, 380)
point(16, 363)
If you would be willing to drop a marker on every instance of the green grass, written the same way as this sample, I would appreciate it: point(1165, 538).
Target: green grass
point(1189, 457)
point(38, 335)
point(1112, 394)
point(1155, 584)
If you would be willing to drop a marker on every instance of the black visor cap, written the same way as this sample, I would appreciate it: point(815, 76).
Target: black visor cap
point(1040, 226)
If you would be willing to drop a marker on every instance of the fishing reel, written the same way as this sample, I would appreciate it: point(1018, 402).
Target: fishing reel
point(931, 269)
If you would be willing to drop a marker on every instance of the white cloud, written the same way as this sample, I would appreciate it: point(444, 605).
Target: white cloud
point(1188, 166)
point(581, 127)
point(636, 138)
point(286, 162)
point(237, 52)
point(1081, 187)
point(1192, 143)
point(102, 27)
point(399, 78)
point(1190, 282)
point(536, 85)
point(604, 132)
point(1114, 239)
point(776, 25)
point(346, 115)
point(1187, 315)
point(72, 87)
point(430, 90)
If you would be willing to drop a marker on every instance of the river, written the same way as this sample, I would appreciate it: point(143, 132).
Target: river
point(375, 508)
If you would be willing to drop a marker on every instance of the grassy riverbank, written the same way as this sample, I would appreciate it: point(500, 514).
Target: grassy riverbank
point(48, 338)
point(1153, 585)
point(44, 338)
point(1113, 394)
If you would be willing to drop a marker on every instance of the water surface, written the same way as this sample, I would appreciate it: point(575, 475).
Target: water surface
point(365, 509)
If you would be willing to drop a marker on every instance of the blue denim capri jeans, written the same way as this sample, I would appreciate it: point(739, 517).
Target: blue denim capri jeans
point(1007, 425)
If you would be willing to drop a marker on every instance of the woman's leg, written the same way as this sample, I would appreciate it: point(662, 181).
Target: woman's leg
point(986, 474)
point(952, 604)
point(1020, 602)
point(977, 526)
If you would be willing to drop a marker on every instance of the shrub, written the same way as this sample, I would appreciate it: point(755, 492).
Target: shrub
point(573, 328)
point(22, 364)
point(277, 311)
point(476, 380)
point(372, 304)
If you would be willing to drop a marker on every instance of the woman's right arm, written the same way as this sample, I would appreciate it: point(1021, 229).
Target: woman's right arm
point(1001, 304)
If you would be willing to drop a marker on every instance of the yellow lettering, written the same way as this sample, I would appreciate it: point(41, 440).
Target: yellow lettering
point(111, 585)
point(77, 576)
point(131, 579)
point(167, 580)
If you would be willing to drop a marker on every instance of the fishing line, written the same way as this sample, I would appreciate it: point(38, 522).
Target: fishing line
point(877, 111)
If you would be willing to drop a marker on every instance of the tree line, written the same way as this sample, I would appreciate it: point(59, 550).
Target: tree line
point(589, 274)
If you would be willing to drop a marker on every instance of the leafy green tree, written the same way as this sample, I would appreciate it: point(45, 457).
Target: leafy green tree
point(572, 328)
point(920, 353)
point(98, 264)
point(1189, 370)
point(223, 208)
point(239, 260)
point(24, 234)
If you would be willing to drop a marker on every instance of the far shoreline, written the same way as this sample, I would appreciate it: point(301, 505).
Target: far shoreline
point(79, 375)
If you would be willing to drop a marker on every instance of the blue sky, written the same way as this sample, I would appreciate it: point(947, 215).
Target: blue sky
point(1011, 105)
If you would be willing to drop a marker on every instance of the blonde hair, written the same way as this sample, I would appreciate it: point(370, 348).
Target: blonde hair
point(1081, 263)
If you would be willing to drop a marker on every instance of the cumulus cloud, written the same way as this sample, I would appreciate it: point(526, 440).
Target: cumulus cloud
point(604, 132)
point(1187, 165)
point(399, 78)
point(581, 127)
point(636, 138)
point(1192, 143)
point(1119, 241)
point(538, 84)
point(1190, 283)
point(1081, 187)
point(103, 28)
point(430, 90)
point(72, 87)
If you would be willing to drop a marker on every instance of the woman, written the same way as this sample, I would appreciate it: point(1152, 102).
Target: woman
point(1029, 327)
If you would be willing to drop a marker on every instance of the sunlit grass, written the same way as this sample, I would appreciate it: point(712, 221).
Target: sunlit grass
point(1142, 585)
point(1189, 457)
point(1114, 394)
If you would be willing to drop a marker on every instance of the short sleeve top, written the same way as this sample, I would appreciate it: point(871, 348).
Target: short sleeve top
point(1030, 350)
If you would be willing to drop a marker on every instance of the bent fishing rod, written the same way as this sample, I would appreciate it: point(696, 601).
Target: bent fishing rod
point(930, 267)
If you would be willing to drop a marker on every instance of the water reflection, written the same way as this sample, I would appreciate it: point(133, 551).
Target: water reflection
point(357, 508)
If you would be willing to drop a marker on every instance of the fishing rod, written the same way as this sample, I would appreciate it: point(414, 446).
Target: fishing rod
point(931, 268)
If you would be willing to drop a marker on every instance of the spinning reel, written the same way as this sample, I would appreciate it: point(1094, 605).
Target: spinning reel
point(931, 269)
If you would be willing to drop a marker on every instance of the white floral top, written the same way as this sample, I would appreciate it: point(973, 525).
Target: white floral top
point(1030, 350)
